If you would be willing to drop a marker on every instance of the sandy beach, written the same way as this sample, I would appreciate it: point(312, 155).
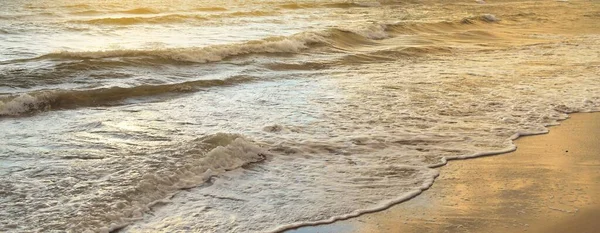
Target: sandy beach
point(549, 184)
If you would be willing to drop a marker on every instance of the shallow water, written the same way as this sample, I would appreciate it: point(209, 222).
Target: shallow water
point(264, 115)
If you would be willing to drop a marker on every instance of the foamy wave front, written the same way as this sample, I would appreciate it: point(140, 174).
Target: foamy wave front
point(206, 157)
point(129, 188)
point(22, 104)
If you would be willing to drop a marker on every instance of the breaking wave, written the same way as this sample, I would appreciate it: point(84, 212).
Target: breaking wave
point(199, 161)
point(343, 39)
point(272, 45)
point(30, 103)
point(134, 188)
point(335, 38)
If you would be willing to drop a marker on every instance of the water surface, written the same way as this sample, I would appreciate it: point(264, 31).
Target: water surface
point(255, 116)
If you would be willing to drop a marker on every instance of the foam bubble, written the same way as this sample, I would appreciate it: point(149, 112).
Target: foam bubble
point(128, 189)
point(21, 104)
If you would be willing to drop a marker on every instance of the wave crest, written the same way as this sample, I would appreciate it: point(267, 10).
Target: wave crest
point(163, 19)
point(30, 103)
point(142, 10)
point(334, 38)
point(175, 18)
point(292, 44)
point(341, 5)
point(210, 9)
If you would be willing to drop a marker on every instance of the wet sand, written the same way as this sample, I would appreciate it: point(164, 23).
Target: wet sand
point(551, 183)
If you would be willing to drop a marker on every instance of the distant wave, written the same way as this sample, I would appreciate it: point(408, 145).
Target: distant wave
point(87, 12)
point(488, 18)
point(161, 19)
point(175, 18)
point(78, 6)
point(39, 101)
point(327, 5)
point(442, 26)
point(210, 9)
point(392, 54)
point(245, 13)
point(143, 10)
point(136, 11)
point(352, 4)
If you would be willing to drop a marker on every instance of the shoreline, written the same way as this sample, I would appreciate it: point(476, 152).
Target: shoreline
point(430, 207)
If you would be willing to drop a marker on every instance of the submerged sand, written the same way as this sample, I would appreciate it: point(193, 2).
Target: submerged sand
point(550, 184)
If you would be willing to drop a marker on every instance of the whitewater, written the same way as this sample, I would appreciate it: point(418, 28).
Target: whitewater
point(263, 116)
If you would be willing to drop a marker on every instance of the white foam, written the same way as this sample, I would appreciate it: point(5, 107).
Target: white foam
point(231, 152)
point(374, 32)
point(428, 181)
point(21, 104)
point(380, 121)
point(133, 189)
point(490, 18)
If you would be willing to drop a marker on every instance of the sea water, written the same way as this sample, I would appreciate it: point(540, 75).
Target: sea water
point(260, 116)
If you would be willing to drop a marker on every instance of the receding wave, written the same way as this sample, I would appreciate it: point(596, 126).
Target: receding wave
point(30, 103)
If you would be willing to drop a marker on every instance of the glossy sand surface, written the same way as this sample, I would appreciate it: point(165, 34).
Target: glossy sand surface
point(514, 192)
